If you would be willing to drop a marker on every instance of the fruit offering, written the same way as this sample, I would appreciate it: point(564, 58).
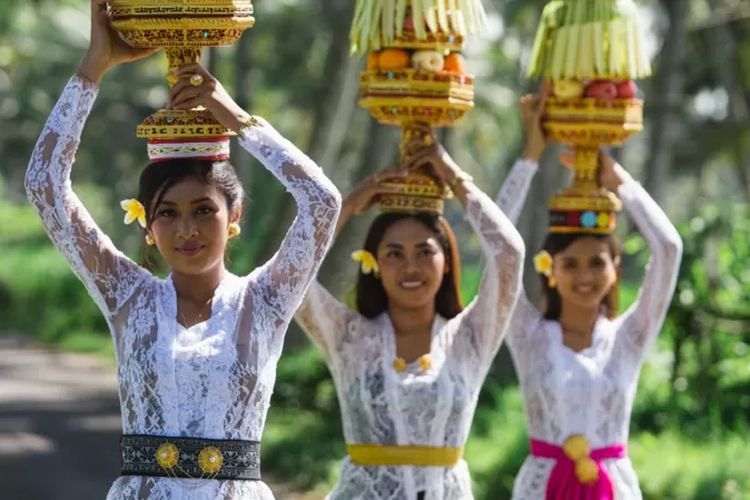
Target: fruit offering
point(588, 52)
point(416, 76)
point(597, 89)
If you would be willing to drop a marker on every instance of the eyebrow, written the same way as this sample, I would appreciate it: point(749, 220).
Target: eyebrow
point(194, 202)
point(418, 245)
point(577, 257)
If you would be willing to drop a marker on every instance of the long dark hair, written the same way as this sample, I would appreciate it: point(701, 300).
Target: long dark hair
point(371, 297)
point(551, 300)
point(157, 178)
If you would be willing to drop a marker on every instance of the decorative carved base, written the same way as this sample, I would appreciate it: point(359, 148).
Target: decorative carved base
point(181, 124)
point(402, 96)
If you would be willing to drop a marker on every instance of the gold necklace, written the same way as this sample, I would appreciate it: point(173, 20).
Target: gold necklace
point(200, 315)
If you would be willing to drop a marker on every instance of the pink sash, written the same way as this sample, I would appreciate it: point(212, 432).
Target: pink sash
point(563, 483)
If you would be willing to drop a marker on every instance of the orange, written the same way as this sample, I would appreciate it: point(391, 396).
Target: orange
point(372, 60)
point(390, 59)
point(454, 63)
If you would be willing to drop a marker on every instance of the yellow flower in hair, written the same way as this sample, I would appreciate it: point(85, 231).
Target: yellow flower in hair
point(543, 263)
point(134, 211)
point(367, 260)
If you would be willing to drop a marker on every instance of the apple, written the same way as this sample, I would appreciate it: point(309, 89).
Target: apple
point(601, 89)
point(568, 89)
point(626, 89)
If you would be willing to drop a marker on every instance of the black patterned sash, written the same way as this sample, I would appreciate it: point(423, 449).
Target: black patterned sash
point(193, 458)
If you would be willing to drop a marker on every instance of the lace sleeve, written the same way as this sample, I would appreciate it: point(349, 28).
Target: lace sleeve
point(324, 318)
point(483, 323)
point(513, 192)
point(109, 276)
point(282, 281)
point(511, 199)
point(643, 320)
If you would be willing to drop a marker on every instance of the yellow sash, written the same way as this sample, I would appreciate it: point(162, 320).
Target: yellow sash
point(422, 456)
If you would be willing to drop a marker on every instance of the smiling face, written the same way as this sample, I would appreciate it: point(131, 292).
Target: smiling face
point(412, 264)
point(586, 271)
point(190, 226)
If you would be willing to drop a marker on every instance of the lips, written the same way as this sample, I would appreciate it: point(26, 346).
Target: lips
point(411, 284)
point(584, 289)
point(190, 250)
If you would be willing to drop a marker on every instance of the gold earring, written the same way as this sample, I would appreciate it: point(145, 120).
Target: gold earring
point(234, 229)
point(150, 240)
point(551, 282)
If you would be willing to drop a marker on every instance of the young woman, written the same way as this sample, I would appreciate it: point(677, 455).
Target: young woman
point(578, 361)
point(196, 351)
point(409, 362)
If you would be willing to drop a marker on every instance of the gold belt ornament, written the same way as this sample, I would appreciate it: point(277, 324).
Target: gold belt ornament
point(190, 458)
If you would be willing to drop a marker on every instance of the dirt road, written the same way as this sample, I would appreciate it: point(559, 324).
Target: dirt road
point(60, 425)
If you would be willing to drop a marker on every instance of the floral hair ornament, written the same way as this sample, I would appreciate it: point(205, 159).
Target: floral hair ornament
point(543, 263)
point(367, 261)
point(134, 211)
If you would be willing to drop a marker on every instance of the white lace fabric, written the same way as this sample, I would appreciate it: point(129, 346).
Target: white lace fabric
point(433, 408)
point(213, 380)
point(589, 392)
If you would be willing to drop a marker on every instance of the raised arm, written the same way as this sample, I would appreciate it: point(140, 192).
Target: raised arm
point(279, 285)
point(642, 322)
point(324, 318)
point(109, 276)
point(480, 328)
point(511, 199)
point(283, 280)
point(485, 320)
point(515, 188)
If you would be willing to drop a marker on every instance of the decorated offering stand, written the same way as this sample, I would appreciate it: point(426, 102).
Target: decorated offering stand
point(415, 76)
point(588, 53)
point(182, 28)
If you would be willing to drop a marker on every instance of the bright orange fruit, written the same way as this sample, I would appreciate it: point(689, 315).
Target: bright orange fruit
point(454, 63)
point(373, 60)
point(391, 59)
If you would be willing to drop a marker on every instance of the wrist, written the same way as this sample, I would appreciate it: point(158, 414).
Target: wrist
point(460, 177)
point(240, 121)
point(531, 153)
point(92, 70)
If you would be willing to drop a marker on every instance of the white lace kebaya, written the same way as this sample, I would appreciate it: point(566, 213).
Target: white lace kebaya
point(212, 380)
point(589, 392)
point(422, 407)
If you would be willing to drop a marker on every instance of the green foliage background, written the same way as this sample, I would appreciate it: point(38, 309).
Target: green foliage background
point(689, 434)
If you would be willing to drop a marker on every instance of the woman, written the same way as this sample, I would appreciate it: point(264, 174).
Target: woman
point(409, 362)
point(197, 351)
point(578, 361)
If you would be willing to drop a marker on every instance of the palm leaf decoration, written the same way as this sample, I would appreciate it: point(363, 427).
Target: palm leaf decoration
point(579, 39)
point(378, 22)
